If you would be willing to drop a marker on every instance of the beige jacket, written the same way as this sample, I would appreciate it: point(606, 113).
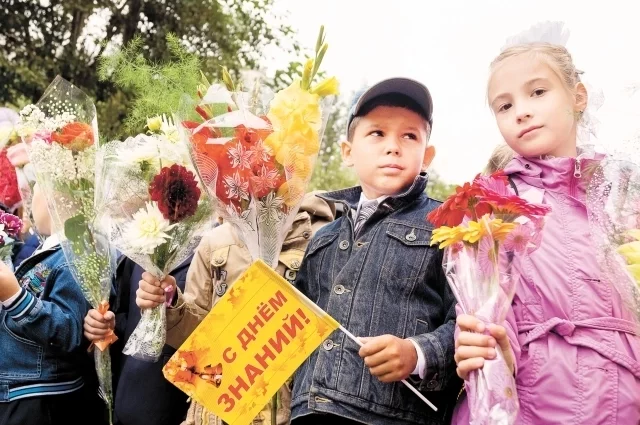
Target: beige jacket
point(219, 260)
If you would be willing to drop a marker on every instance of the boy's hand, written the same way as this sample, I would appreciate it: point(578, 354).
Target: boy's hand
point(388, 357)
point(8, 283)
point(473, 347)
point(97, 326)
point(152, 292)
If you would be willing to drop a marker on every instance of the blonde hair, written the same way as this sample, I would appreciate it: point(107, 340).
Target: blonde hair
point(557, 57)
point(499, 159)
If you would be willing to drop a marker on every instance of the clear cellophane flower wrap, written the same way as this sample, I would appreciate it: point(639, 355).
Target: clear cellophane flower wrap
point(613, 204)
point(155, 211)
point(255, 151)
point(61, 134)
point(485, 232)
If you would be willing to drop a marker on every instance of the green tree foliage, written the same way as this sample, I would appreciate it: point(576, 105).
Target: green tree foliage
point(40, 39)
point(439, 189)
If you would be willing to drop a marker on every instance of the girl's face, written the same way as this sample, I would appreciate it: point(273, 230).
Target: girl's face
point(534, 110)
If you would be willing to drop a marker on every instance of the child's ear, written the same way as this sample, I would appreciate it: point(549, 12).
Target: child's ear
point(582, 97)
point(429, 154)
point(345, 150)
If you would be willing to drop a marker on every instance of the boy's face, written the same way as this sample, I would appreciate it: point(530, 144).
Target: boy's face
point(388, 150)
point(41, 217)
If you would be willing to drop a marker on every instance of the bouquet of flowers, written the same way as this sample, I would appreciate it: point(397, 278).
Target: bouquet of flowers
point(61, 135)
point(485, 230)
point(154, 210)
point(613, 205)
point(10, 227)
point(255, 152)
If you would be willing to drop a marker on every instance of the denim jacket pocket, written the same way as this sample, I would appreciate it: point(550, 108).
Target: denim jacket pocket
point(412, 244)
point(321, 242)
point(21, 358)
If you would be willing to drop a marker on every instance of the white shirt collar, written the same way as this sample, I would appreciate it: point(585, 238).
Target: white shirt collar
point(49, 243)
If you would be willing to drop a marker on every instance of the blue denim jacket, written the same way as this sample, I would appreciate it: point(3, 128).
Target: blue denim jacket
point(387, 281)
point(41, 332)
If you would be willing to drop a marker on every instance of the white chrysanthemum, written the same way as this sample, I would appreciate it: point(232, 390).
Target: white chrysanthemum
point(150, 149)
point(148, 230)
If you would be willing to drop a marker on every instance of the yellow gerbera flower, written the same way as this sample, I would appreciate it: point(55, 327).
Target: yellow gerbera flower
point(500, 230)
point(446, 235)
point(475, 231)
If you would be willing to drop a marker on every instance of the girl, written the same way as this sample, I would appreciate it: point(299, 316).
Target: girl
point(571, 344)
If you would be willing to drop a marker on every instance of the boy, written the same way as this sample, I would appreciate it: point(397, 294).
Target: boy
point(44, 362)
point(375, 272)
point(219, 260)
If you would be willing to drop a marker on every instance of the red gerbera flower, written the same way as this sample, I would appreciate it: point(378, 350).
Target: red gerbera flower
point(176, 191)
point(513, 205)
point(455, 207)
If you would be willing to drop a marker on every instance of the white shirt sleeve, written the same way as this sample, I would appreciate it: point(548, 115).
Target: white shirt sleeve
point(422, 361)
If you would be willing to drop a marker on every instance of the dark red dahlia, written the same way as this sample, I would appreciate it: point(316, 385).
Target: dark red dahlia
point(176, 191)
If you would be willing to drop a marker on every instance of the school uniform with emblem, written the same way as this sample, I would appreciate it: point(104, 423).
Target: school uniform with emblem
point(219, 260)
point(45, 371)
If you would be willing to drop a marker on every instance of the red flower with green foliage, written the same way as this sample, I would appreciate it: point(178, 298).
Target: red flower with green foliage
point(176, 191)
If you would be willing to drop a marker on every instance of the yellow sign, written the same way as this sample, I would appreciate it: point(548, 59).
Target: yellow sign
point(250, 343)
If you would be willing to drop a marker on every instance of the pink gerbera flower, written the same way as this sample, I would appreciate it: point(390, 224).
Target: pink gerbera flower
point(518, 239)
point(487, 256)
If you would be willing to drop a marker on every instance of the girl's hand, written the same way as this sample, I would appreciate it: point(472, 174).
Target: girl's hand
point(473, 347)
point(152, 292)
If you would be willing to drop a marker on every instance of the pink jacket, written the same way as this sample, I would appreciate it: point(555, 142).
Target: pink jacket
point(577, 351)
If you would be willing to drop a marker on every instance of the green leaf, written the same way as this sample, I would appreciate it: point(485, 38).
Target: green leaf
point(75, 229)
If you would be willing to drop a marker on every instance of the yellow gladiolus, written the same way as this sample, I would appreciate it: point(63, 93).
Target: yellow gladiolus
point(327, 87)
point(634, 270)
point(293, 108)
point(635, 233)
point(630, 251)
point(292, 191)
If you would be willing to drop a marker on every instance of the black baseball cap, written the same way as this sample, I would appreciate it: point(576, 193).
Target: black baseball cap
point(414, 90)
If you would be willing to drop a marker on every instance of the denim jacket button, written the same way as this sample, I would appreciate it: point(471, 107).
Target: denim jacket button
point(290, 274)
point(327, 345)
point(338, 289)
point(344, 245)
point(411, 236)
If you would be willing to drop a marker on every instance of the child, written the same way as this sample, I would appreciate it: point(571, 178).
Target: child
point(374, 271)
point(568, 339)
point(142, 395)
point(43, 359)
point(219, 260)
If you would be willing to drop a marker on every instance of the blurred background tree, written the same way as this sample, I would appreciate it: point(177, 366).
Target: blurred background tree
point(40, 39)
